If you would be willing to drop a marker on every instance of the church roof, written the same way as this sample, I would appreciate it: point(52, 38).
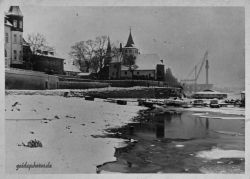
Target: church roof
point(130, 42)
point(108, 46)
point(14, 10)
point(146, 62)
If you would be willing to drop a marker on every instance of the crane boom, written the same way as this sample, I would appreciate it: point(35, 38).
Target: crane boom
point(198, 74)
point(202, 64)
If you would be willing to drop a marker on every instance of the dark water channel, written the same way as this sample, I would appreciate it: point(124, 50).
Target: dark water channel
point(168, 143)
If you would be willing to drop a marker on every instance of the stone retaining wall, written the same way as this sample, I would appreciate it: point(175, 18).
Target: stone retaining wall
point(26, 79)
point(130, 93)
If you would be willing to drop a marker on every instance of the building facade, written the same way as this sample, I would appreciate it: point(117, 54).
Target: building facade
point(70, 69)
point(13, 29)
point(48, 63)
point(145, 67)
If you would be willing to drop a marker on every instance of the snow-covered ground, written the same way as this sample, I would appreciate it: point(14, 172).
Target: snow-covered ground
point(66, 128)
point(217, 153)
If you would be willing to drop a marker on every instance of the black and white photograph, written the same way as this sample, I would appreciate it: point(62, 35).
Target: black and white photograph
point(124, 89)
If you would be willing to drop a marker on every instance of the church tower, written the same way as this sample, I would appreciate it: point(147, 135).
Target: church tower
point(108, 52)
point(15, 17)
point(130, 48)
point(108, 57)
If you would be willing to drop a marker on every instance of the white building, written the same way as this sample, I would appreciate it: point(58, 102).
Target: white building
point(13, 29)
point(70, 68)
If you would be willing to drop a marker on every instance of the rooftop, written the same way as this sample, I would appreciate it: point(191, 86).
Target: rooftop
point(209, 92)
point(14, 10)
point(130, 42)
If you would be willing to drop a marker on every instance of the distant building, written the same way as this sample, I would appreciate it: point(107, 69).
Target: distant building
point(46, 61)
point(209, 94)
point(13, 29)
point(147, 66)
point(191, 87)
point(70, 68)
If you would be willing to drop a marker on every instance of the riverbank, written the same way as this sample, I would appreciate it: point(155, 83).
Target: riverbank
point(66, 128)
point(80, 136)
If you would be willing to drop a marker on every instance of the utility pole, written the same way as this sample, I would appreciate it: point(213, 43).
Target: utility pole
point(195, 75)
point(207, 67)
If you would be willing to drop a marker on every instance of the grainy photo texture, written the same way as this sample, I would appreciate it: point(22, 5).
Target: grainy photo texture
point(124, 89)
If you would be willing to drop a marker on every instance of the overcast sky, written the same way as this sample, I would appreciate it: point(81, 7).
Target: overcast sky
point(179, 35)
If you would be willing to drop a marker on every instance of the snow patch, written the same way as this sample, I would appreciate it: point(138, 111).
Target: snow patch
point(217, 153)
point(223, 110)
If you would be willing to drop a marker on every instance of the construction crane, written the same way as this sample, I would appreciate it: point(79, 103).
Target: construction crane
point(196, 75)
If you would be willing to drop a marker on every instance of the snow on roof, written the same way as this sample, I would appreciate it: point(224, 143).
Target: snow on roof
point(71, 67)
point(83, 74)
point(8, 23)
point(25, 43)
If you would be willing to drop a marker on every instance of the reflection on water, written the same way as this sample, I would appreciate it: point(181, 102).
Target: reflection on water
point(184, 126)
point(159, 135)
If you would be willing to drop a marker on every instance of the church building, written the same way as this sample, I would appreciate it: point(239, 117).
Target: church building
point(145, 67)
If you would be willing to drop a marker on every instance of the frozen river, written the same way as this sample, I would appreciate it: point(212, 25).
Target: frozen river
point(182, 142)
point(80, 136)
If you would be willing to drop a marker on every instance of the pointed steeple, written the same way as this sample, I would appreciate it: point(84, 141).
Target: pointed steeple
point(130, 42)
point(120, 47)
point(108, 47)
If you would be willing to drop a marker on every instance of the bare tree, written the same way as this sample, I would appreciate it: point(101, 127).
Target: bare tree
point(80, 55)
point(37, 43)
point(100, 49)
point(94, 63)
point(90, 53)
